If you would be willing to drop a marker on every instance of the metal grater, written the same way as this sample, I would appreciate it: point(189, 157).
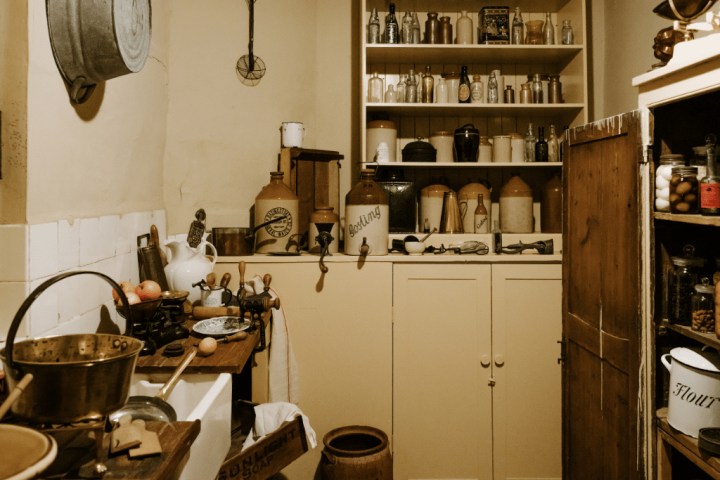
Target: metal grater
point(197, 229)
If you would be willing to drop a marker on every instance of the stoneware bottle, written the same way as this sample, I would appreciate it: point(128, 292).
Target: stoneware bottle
point(367, 217)
point(516, 206)
point(275, 200)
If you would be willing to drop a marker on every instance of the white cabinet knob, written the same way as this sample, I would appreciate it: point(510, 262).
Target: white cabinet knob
point(499, 360)
point(485, 360)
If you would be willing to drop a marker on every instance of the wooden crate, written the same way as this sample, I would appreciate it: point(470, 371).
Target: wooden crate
point(314, 176)
point(269, 455)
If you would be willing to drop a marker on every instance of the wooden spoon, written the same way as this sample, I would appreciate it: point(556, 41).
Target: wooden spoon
point(210, 279)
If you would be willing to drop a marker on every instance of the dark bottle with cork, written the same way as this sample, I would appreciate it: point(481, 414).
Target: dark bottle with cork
point(541, 146)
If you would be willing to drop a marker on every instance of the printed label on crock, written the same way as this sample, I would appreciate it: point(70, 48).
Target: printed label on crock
point(363, 217)
point(687, 394)
point(710, 195)
point(280, 228)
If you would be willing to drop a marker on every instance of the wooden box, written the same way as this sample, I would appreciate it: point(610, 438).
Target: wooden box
point(314, 176)
point(269, 455)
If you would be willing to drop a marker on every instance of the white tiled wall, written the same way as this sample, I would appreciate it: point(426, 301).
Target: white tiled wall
point(31, 254)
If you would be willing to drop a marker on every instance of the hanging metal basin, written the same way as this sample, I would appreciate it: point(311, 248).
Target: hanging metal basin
point(94, 41)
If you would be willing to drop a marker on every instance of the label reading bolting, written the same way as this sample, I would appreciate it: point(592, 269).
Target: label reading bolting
point(369, 222)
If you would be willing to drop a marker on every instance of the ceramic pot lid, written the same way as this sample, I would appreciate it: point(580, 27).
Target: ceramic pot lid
point(25, 452)
point(700, 359)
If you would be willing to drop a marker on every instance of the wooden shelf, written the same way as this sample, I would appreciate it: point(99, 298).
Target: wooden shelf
point(694, 219)
point(684, 444)
point(460, 165)
point(472, 6)
point(709, 339)
point(476, 109)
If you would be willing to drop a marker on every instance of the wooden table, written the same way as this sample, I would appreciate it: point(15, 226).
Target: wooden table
point(228, 358)
point(76, 448)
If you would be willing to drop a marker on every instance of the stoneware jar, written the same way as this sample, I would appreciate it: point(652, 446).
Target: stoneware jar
point(275, 200)
point(381, 131)
point(468, 198)
point(443, 143)
point(516, 206)
point(431, 203)
point(367, 216)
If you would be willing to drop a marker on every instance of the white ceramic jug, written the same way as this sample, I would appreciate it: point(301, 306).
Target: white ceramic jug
point(188, 265)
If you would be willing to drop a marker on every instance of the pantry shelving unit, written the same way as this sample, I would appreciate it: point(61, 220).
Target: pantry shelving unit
point(516, 62)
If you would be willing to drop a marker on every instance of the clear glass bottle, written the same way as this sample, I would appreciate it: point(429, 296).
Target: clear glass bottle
point(406, 28)
point(392, 29)
point(684, 190)
point(567, 34)
point(537, 89)
point(428, 86)
point(476, 89)
point(492, 90)
point(681, 283)
point(548, 30)
point(390, 94)
point(541, 146)
point(481, 223)
point(464, 29)
point(411, 91)
point(441, 94)
point(518, 28)
point(702, 307)
point(416, 36)
point(464, 87)
point(530, 144)
point(400, 91)
point(552, 143)
point(373, 27)
point(710, 185)
point(375, 89)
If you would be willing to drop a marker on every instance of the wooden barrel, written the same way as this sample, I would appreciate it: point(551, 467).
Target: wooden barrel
point(356, 452)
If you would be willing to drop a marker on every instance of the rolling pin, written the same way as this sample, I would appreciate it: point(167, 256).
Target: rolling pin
point(201, 313)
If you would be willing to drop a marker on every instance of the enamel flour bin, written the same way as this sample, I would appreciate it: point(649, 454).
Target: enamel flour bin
point(694, 397)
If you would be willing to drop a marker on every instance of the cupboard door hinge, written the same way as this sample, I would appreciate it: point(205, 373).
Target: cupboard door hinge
point(561, 359)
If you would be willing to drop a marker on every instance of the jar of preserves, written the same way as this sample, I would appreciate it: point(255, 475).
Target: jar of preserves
point(702, 305)
point(663, 175)
point(681, 285)
point(684, 190)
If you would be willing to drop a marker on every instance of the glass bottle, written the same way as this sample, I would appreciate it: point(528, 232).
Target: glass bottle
point(464, 28)
point(428, 86)
point(476, 89)
point(390, 95)
point(406, 29)
point(541, 146)
point(392, 29)
point(518, 28)
point(400, 91)
point(509, 95)
point(530, 144)
point(446, 30)
point(702, 307)
point(464, 87)
point(525, 93)
point(537, 90)
point(681, 283)
point(375, 89)
point(432, 28)
point(566, 33)
point(441, 95)
point(416, 38)
point(411, 88)
point(373, 27)
point(684, 190)
point(481, 216)
point(554, 89)
point(710, 185)
point(492, 90)
point(552, 141)
point(366, 217)
point(548, 31)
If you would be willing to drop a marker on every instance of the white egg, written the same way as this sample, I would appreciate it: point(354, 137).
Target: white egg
point(662, 205)
point(661, 182)
point(663, 193)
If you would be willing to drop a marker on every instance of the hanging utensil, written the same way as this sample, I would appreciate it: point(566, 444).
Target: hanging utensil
point(250, 68)
point(15, 393)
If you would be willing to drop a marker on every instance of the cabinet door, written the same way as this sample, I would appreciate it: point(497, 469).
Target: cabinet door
point(441, 350)
point(526, 330)
point(340, 328)
point(602, 319)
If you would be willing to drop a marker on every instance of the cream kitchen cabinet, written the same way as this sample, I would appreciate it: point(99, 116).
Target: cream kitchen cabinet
point(476, 379)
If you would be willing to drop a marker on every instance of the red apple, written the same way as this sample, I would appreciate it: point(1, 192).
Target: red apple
point(148, 290)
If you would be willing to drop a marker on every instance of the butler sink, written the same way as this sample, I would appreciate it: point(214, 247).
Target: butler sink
point(204, 397)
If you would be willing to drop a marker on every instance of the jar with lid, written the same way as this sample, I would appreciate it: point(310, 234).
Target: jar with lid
point(681, 282)
point(516, 206)
point(663, 175)
point(366, 217)
point(702, 307)
point(566, 33)
point(323, 214)
point(684, 190)
point(275, 200)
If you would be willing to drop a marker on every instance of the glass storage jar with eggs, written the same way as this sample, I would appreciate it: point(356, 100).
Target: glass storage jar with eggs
point(663, 174)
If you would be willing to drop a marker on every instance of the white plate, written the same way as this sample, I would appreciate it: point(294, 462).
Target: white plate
point(215, 327)
point(26, 452)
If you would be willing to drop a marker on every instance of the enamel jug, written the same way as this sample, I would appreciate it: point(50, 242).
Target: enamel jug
point(188, 265)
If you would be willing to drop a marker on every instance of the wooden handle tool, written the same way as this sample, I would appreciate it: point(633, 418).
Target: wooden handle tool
point(202, 313)
point(155, 239)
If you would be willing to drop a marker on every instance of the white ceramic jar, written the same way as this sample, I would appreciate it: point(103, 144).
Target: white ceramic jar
point(381, 131)
point(501, 149)
point(443, 142)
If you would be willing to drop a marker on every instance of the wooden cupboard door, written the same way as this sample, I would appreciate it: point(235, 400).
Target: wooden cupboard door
point(526, 334)
point(442, 425)
point(601, 300)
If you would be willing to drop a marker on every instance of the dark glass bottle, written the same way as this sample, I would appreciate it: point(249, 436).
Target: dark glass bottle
point(710, 185)
point(541, 146)
point(464, 88)
point(392, 29)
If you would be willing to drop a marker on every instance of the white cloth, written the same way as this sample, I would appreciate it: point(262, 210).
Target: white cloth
point(269, 417)
point(283, 374)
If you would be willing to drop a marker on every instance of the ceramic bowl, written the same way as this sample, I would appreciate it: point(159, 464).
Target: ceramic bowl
point(415, 248)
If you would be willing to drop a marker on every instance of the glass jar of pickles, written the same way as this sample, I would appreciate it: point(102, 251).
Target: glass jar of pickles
point(684, 190)
point(703, 307)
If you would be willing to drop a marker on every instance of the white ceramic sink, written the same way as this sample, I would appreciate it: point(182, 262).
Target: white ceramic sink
point(204, 397)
